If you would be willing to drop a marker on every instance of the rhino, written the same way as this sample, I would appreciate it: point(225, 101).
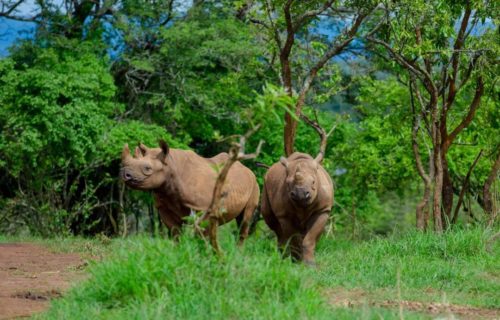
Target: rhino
point(297, 198)
point(183, 182)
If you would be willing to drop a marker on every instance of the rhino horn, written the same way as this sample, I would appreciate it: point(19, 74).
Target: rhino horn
point(125, 152)
point(137, 152)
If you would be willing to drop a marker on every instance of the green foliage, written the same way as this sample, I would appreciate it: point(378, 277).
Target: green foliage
point(372, 158)
point(205, 70)
point(59, 136)
point(132, 132)
point(54, 111)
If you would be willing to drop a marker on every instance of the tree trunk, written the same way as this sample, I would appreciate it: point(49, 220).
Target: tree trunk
point(488, 203)
point(438, 190)
point(290, 122)
point(422, 210)
point(121, 192)
point(465, 185)
point(353, 216)
point(289, 134)
point(447, 196)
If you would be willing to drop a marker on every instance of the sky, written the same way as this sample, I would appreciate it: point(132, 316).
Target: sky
point(11, 31)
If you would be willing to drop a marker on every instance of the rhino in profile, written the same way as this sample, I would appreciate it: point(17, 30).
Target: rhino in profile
point(183, 181)
point(297, 198)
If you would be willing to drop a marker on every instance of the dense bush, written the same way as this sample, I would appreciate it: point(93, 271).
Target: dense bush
point(61, 137)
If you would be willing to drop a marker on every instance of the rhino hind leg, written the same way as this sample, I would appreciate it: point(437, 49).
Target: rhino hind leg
point(245, 219)
point(268, 214)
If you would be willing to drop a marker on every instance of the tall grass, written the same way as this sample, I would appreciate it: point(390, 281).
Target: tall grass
point(159, 279)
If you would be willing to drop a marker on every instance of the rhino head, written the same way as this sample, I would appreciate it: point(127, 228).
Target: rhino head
point(147, 168)
point(301, 180)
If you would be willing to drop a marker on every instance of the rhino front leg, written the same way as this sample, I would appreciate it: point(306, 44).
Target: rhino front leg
point(172, 222)
point(316, 226)
point(290, 239)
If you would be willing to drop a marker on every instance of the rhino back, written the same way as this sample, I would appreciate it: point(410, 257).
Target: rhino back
point(195, 177)
point(325, 193)
point(274, 182)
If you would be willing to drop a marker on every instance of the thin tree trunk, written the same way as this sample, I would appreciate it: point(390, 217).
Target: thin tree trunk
point(353, 216)
point(151, 214)
point(488, 203)
point(110, 211)
point(438, 188)
point(290, 122)
point(495, 208)
point(121, 191)
point(447, 196)
point(465, 185)
point(422, 207)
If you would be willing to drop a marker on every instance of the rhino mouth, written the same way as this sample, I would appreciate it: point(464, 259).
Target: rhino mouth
point(303, 203)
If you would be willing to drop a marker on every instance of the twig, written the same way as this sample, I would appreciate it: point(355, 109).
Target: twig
point(215, 210)
point(322, 134)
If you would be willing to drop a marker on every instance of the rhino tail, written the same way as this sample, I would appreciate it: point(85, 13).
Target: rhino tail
point(255, 219)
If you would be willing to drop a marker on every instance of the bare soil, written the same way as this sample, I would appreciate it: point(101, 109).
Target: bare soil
point(31, 275)
point(342, 297)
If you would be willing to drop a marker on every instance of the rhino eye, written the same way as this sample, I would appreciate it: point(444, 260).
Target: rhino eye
point(147, 170)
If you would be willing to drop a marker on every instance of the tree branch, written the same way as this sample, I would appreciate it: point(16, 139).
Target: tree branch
point(311, 14)
point(470, 114)
point(407, 64)
point(322, 134)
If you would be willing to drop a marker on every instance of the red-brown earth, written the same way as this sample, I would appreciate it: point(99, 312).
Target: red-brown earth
point(31, 275)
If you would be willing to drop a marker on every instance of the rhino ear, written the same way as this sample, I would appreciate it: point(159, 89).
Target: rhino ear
point(284, 162)
point(142, 148)
point(165, 149)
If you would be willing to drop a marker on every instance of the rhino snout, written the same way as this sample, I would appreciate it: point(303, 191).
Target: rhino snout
point(300, 195)
point(127, 175)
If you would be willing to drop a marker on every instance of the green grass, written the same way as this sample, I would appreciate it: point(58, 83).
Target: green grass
point(455, 267)
point(146, 278)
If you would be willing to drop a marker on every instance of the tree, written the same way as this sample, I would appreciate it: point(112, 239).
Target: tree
point(444, 64)
point(287, 24)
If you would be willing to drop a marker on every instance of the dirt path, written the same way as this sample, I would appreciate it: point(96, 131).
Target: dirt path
point(341, 297)
point(30, 275)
